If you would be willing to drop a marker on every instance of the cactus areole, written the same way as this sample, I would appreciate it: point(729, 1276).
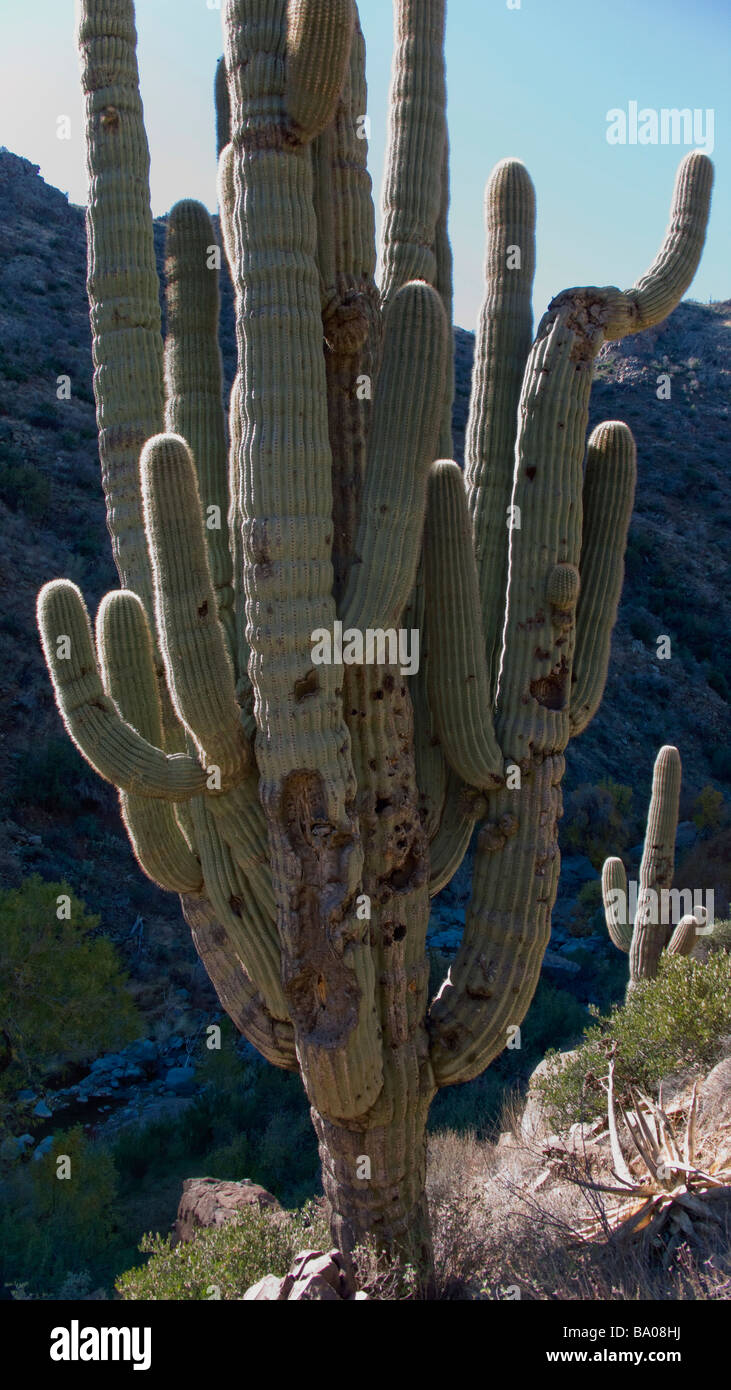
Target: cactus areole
point(306, 811)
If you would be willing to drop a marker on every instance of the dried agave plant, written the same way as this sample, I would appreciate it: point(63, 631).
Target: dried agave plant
point(673, 1200)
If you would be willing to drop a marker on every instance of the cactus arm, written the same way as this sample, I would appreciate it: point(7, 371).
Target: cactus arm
point(609, 487)
point(684, 936)
point(122, 279)
point(125, 656)
point(508, 923)
point(197, 664)
point(444, 284)
point(501, 349)
point(273, 1037)
point(614, 883)
point(111, 746)
point(194, 383)
point(657, 864)
point(661, 288)
point(412, 190)
point(319, 42)
point(449, 845)
point(223, 107)
point(458, 685)
point(404, 435)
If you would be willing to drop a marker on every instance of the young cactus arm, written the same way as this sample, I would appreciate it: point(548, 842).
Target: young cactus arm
point(501, 350)
point(614, 898)
point(122, 282)
point(657, 864)
point(242, 1001)
point(684, 936)
point(194, 382)
point(494, 975)
point(407, 414)
point(125, 655)
point(111, 746)
point(223, 107)
point(412, 190)
point(458, 685)
point(444, 284)
point(608, 496)
point(197, 664)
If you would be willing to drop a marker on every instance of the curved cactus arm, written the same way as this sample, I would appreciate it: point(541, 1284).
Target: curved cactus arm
point(684, 936)
point(125, 655)
point(198, 667)
point(404, 434)
point(449, 845)
point(614, 898)
point(458, 684)
point(501, 350)
point(657, 864)
point(194, 383)
point(272, 1037)
point(661, 288)
point(430, 763)
point(413, 183)
point(608, 496)
point(122, 281)
point(508, 924)
point(111, 746)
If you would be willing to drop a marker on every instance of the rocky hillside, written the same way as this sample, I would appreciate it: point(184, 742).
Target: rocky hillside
point(56, 818)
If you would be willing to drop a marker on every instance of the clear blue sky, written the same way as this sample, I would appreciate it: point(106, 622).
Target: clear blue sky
point(535, 82)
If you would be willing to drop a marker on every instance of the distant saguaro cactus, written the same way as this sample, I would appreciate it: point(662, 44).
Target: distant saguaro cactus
point(646, 935)
point(306, 811)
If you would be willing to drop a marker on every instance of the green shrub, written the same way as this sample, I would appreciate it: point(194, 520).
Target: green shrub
point(708, 809)
point(588, 903)
point(598, 820)
point(52, 1227)
point(52, 774)
point(674, 1022)
point(63, 994)
point(24, 489)
point(224, 1262)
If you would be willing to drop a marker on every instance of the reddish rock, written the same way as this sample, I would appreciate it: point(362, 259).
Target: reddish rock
point(209, 1202)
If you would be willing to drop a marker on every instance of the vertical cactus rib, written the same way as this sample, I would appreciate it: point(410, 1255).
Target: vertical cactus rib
point(223, 107)
point(413, 185)
point(125, 656)
point(459, 692)
point(194, 382)
point(122, 282)
point(198, 667)
point(608, 496)
point(111, 746)
point(444, 284)
point(656, 867)
point(501, 349)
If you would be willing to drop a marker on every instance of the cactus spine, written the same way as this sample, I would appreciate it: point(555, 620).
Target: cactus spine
point(645, 938)
point(305, 812)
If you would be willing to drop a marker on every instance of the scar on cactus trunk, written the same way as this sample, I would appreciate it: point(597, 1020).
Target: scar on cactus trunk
point(305, 814)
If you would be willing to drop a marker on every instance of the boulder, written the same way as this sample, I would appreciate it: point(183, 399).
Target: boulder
point(314, 1277)
point(211, 1202)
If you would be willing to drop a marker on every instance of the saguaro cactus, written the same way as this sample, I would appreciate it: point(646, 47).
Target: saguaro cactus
point(306, 811)
point(650, 931)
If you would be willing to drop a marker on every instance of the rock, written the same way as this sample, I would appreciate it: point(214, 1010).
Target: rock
point(553, 961)
point(42, 1111)
point(314, 1277)
point(686, 835)
point(210, 1202)
point(533, 1123)
point(44, 1147)
point(714, 1095)
point(181, 1080)
point(27, 1095)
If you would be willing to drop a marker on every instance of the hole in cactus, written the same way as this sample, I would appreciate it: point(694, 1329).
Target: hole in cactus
point(203, 610)
point(399, 932)
point(551, 691)
point(381, 804)
point(309, 685)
